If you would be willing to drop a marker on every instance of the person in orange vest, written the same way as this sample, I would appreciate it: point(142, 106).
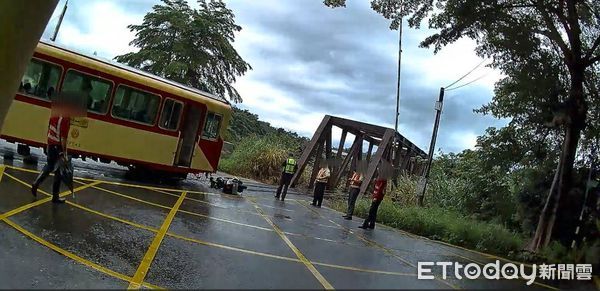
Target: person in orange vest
point(290, 166)
point(378, 193)
point(321, 183)
point(58, 130)
point(355, 183)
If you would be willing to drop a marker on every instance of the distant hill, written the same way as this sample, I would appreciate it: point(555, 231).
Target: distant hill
point(246, 124)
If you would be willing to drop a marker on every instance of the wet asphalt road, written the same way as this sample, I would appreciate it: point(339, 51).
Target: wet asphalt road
point(114, 232)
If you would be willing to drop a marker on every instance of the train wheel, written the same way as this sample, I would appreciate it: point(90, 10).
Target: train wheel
point(23, 149)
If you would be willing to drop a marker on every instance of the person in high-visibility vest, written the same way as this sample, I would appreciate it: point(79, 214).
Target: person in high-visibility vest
point(290, 166)
point(58, 130)
point(355, 183)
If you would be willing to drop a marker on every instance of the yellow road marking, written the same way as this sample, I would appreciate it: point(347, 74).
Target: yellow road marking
point(182, 211)
point(211, 217)
point(225, 220)
point(132, 198)
point(197, 241)
point(363, 270)
point(206, 202)
point(123, 184)
point(144, 266)
point(296, 251)
point(71, 255)
point(206, 243)
point(424, 238)
point(112, 217)
point(2, 167)
point(22, 169)
point(152, 229)
point(42, 201)
point(269, 206)
point(63, 194)
point(232, 248)
point(445, 243)
point(376, 245)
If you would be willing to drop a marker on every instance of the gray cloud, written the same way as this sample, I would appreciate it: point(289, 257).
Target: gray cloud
point(349, 46)
point(333, 61)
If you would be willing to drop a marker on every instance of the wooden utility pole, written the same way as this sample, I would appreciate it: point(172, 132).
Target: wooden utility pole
point(423, 183)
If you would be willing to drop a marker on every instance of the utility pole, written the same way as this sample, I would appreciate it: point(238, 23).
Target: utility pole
point(60, 20)
point(423, 182)
point(394, 140)
point(399, 71)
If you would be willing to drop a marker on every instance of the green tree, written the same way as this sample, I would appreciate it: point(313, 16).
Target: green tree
point(190, 46)
point(514, 33)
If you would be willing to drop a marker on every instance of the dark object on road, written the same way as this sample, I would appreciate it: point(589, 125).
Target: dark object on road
point(65, 168)
point(229, 185)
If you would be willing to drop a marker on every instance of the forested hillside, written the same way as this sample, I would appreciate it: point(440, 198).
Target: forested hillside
point(245, 124)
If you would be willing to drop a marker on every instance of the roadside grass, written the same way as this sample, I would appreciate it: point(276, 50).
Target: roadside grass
point(442, 225)
point(260, 158)
point(455, 212)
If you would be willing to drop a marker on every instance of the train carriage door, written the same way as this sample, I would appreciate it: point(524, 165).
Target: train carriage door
point(189, 136)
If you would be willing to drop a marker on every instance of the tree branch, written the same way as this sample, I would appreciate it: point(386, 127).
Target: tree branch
point(593, 60)
point(593, 48)
point(561, 17)
point(553, 32)
point(574, 34)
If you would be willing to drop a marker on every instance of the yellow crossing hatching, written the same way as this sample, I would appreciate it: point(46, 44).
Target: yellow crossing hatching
point(376, 245)
point(71, 255)
point(180, 210)
point(206, 202)
point(42, 201)
point(144, 266)
point(296, 251)
point(4, 217)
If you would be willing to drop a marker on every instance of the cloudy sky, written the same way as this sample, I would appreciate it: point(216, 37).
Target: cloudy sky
point(310, 60)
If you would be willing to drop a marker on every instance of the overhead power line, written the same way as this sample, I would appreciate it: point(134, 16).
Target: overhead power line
point(465, 75)
point(469, 83)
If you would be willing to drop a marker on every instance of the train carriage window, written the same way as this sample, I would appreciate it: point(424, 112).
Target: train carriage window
point(135, 105)
point(212, 126)
point(169, 118)
point(40, 79)
point(95, 90)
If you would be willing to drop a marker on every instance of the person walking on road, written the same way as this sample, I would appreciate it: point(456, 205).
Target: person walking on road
point(321, 183)
point(289, 168)
point(378, 193)
point(58, 130)
point(355, 183)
